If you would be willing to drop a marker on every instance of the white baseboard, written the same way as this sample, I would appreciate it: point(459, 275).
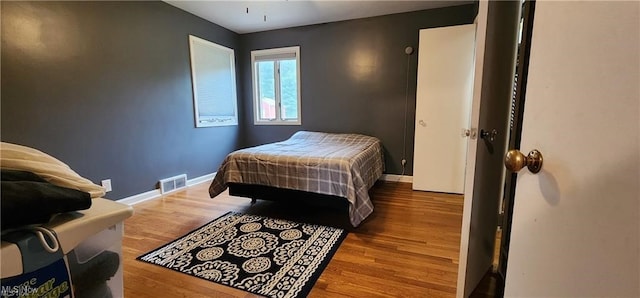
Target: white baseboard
point(201, 179)
point(397, 178)
point(153, 194)
point(139, 198)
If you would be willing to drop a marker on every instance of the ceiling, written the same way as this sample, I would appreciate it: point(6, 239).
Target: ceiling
point(253, 16)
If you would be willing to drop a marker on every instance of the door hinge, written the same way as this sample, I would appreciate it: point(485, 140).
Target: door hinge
point(471, 133)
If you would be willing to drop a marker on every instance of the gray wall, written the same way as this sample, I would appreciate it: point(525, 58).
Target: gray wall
point(106, 88)
point(354, 76)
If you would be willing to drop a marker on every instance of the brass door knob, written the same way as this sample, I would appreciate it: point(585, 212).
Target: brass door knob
point(514, 160)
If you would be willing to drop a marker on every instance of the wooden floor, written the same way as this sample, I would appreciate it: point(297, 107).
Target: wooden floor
point(408, 247)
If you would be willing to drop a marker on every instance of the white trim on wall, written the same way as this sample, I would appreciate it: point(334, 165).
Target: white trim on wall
point(154, 194)
point(397, 178)
point(201, 179)
point(139, 198)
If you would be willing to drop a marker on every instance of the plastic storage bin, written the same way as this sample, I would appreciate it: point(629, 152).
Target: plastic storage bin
point(95, 265)
point(90, 246)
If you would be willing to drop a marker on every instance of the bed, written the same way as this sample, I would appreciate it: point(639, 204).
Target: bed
point(324, 164)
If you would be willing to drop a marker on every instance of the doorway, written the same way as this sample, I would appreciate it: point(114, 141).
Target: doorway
point(492, 284)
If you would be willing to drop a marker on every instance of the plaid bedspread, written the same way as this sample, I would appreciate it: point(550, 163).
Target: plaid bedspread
point(345, 165)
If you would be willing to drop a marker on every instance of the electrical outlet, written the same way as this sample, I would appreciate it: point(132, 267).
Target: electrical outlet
point(107, 185)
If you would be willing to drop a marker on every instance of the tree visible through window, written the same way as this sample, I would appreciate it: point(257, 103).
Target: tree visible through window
point(276, 86)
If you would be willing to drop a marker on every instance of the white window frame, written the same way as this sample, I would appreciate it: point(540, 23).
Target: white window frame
point(271, 55)
point(201, 94)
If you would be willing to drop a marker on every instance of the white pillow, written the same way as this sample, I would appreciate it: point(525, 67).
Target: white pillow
point(21, 158)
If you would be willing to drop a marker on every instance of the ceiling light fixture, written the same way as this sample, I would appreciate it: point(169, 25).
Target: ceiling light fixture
point(264, 17)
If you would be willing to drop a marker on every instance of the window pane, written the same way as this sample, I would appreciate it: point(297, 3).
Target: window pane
point(214, 87)
point(276, 93)
point(288, 90)
point(266, 89)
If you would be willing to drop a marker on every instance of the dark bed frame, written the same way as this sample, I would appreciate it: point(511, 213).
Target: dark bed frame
point(301, 206)
point(269, 193)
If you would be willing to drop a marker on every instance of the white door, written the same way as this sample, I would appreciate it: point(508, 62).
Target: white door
point(443, 103)
point(496, 43)
point(576, 226)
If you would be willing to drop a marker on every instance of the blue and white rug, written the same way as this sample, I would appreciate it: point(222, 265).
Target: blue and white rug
point(261, 255)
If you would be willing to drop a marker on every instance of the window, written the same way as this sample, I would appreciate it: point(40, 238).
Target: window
point(214, 83)
point(276, 86)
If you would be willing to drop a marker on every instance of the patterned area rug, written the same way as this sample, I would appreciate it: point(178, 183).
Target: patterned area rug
point(265, 256)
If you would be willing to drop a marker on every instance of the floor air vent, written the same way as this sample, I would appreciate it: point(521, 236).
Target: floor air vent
point(173, 183)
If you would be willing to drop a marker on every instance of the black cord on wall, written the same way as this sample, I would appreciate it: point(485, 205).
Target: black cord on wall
point(408, 51)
